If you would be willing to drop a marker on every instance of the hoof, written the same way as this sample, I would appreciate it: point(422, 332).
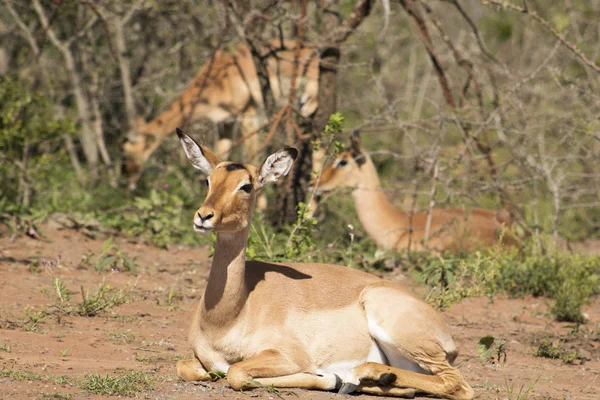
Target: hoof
point(338, 383)
point(386, 379)
point(347, 388)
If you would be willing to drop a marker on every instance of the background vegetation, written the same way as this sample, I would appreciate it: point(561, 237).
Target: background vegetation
point(470, 103)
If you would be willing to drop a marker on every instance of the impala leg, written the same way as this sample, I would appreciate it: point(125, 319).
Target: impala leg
point(273, 368)
point(388, 391)
point(447, 383)
point(420, 353)
point(303, 380)
point(192, 370)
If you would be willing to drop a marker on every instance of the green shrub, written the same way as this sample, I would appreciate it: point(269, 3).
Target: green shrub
point(547, 349)
point(293, 242)
point(29, 132)
point(156, 217)
point(569, 280)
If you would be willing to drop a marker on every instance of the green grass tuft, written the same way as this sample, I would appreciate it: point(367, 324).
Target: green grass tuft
point(129, 383)
point(103, 299)
point(547, 349)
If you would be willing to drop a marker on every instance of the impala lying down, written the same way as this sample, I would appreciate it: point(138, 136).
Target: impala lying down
point(311, 326)
point(453, 229)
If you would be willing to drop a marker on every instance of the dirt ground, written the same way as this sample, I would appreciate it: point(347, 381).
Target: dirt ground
point(149, 334)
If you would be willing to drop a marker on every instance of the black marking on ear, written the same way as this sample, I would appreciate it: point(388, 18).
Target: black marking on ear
point(234, 167)
point(182, 135)
point(360, 160)
point(292, 152)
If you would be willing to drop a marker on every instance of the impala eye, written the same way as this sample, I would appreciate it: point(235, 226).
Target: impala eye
point(342, 163)
point(246, 188)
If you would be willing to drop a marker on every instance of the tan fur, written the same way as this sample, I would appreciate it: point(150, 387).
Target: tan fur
point(313, 326)
point(451, 229)
point(226, 88)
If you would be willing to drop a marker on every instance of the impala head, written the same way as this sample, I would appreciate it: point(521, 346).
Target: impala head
point(232, 187)
point(134, 151)
point(344, 171)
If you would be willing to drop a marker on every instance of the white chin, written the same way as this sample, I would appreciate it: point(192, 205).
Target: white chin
point(202, 229)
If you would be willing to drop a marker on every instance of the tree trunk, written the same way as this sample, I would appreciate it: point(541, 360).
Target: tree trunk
point(334, 33)
point(88, 138)
point(125, 70)
point(295, 187)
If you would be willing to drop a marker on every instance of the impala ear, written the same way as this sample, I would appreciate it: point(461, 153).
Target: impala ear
point(276, 165)
point(355, 141)
point(200, 156)
point(356, 148)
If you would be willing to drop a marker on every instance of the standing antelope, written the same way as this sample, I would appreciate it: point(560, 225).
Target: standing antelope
point(311, 326)
point(451, 229)
point(228, 88)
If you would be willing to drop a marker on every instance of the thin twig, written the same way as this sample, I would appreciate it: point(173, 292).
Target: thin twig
point(546, 25)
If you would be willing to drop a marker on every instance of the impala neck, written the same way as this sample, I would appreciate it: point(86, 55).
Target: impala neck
point(226, 290)
point(165, 122)
point(382, 221)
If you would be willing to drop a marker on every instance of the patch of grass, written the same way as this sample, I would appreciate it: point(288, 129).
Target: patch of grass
point(18, 375)
point(33, 319)
point(34, 266)
point(215, 375)
point(62, 302)
point(64, 352)
point(111, 258)
point(129, 383)
point(56, 396)
point(272, 389)
point(91, 304)
point(547, 349)
point(523, 391)
point(122, 337)
point(5, 347)
point(156, 358)
point(172, 298)
point(492, 349)
point(103, 299)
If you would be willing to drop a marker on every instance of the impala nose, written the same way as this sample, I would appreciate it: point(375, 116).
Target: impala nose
point(205, 217)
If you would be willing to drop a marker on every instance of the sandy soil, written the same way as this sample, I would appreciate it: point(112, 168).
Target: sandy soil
point(149, 334)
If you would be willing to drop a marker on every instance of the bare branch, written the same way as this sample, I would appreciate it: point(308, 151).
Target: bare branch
point(360, 12)
point(46, 25)
point(415, 14)
point(475, 30)
point(546, 25)
point(24, 28)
